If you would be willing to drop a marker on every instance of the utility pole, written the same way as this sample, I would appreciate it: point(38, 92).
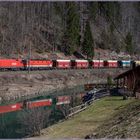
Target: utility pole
point(99, 68)
point(29, 58)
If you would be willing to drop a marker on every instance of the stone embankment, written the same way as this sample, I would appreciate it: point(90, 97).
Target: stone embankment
point(17, 84)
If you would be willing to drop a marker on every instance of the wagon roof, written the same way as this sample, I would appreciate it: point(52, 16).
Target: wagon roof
point(81, 60)
point(112, 60)
point(127, 73)
point(60, 60)
point(125, 60)
point(97, 60)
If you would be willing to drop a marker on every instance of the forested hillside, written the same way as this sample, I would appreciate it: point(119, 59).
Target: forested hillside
point(67, 27)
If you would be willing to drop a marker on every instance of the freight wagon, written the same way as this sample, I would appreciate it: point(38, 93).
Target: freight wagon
point(39, 64)
point(62, 64)
point(80, 64)
point(111, 63)
point(96, 63)
point(125, 63)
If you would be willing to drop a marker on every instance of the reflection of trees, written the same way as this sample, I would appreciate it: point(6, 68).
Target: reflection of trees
point(32, 121)
point(65, 110)
point(7, 125)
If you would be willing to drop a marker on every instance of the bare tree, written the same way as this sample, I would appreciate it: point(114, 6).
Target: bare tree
point(65, 110)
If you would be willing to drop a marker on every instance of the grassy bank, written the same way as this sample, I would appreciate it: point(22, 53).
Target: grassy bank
point(89, 120)
point(125, 123)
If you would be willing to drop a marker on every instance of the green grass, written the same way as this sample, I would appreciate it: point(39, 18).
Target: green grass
point(87, 121)
point(125, 123)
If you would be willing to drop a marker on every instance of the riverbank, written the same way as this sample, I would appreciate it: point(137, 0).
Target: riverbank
point(94, 121)
point(14, 85)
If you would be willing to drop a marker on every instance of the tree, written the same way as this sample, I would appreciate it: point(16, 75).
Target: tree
point(93, 9)
point(88, 43)
point(128, 42)
point(109, 81)
point(71, 36)
point(65, 110)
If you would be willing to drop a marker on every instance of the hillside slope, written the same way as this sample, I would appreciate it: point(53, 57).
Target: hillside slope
point(98, 119)
point(124, 124)
point(41, 27)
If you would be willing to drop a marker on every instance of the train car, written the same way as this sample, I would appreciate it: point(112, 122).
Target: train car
point(62, 64)
point(80, 64)
point(12, 64)
point(37, 103)
point(63, 100)
point(125, 63)
point(39, 64)
point(111, 63)
point(96, 63)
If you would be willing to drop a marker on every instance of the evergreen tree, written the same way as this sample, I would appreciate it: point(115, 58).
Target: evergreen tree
point(72, 35)
point(109, 80)
point(93, 9)
point(128, 42)
point(88, 43)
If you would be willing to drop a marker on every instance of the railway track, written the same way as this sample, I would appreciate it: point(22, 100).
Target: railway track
point(62, 70)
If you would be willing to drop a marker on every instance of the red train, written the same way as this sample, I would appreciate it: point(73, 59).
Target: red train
point(20, 64)
point(34, 103)
point(25, 104)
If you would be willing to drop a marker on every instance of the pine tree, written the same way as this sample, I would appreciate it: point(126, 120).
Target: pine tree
point(88, 43)
point(93, 9)
point(128, 42)
point(72, 35)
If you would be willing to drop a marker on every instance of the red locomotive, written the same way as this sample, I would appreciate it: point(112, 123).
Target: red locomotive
point(11, 64)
